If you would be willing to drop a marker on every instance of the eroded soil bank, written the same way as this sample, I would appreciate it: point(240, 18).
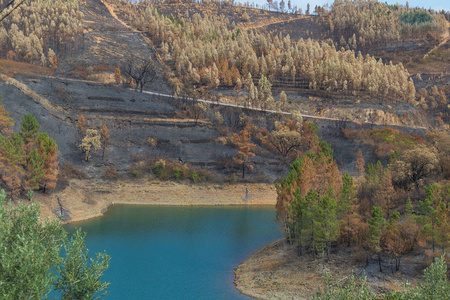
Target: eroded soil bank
point(85, 199)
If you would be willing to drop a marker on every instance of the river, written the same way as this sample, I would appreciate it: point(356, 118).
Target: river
point(163, 252)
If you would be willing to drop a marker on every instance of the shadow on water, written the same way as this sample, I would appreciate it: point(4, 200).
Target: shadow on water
point(178, 252)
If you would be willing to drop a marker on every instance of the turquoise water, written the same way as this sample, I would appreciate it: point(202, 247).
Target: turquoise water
point(177, 252)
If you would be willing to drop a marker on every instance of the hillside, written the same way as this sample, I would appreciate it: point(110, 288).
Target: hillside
point(340, 116)
point(83, 84)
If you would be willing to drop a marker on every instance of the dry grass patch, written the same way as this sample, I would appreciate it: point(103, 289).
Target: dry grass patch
point(11, 67)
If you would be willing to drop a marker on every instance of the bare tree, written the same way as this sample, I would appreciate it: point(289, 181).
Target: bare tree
point(142, 71)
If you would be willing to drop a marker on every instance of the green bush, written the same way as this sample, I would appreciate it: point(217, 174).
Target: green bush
point(195, 176)
point(176, 173)
point(159, 168)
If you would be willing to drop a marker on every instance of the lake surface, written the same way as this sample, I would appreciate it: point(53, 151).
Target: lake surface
point(177, 252)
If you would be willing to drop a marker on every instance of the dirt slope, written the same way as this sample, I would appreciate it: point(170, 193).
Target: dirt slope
point(108, 42)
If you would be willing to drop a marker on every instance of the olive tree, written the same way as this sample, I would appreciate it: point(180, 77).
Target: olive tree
point(30, 261)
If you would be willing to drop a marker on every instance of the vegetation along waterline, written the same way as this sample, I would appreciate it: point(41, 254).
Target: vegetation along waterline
point(337, 114)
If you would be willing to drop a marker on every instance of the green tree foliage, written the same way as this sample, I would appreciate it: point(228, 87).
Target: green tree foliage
point(31, 254)
point(80, 277)
point(434, 218)
point(416, 17)
point(354, 289)
point(29, 251)
point(435, 287)
point(376, 227)
point(28, 159)
point(29, 126)
point(307, 205)
point(35, 170)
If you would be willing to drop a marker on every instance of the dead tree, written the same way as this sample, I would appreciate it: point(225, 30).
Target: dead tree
point(142, 71)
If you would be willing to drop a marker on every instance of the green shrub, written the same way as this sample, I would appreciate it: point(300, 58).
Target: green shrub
point(176, 173)
point(195, 176)
point(159, 168)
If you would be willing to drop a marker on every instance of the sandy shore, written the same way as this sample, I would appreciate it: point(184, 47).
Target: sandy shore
point(276, 272)
point(85, 199)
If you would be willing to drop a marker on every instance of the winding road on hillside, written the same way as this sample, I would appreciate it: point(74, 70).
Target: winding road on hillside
point(106, 36)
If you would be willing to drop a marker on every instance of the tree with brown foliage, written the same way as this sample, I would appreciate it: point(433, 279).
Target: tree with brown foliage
point(117, 76)
point(12, 158)
point(385, 194)
point(52, 59)
point(359, 163)
point(81, 126)
point(105, 139)
point(316, 171)
point(393, 243)
point(6, 122)
point(48, 149)
point(243, 141)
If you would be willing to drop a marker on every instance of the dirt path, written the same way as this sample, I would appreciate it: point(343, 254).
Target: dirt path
point(446, 38)
point(85, 199)
point(113, 14)
point(267, 22)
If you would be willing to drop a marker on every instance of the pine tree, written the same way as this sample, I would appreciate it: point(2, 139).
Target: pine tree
point(48, 149)
point(346, 203)
point(12, 160)
point(81, 126)
point(429, 210)
point(105, 139)
point(386, 193)
point(359, 164)
point(117, 76)
point(30, 127)
point(376, 228)
point(6, 122)
point(243, 141)
point(327, 222)
point(265, 93)
point(35, 170)
point(282, 102)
